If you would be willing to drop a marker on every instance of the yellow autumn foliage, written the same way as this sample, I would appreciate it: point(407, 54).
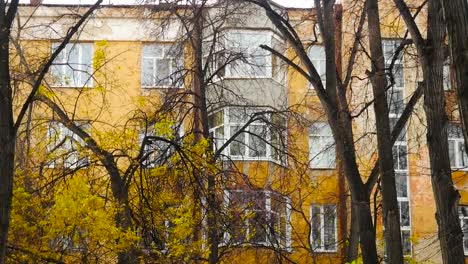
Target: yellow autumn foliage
point(78, 225)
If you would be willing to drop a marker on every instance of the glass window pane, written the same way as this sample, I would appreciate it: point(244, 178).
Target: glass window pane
point(257, 228)
point(237, 147)
point(219, 137)
point(404, 213)
point(329, 227)
point(453, 159)
point(86, 64)
point(236, 225)
point(401, 181)
point(465, 232)
point(329, 154)
point(401, 155)
point(447, 77)
point(316, 227)
point(463, 162)
point(148, 72)
point(406, 239)
point(396, 101)
point(321, 146)
point(163, 72)
point(257, 147)
point(398, 75)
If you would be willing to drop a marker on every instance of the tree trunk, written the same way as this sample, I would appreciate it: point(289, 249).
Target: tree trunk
point(123, 217)
point(431, 55)
point(390, 211)
point(7, 140)
point(456, 19)
point(446, 196)
point(201, 131)
point(366, 228)
point(360, 197)
point(353, 240)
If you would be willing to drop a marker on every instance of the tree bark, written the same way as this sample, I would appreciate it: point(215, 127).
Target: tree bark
point(7, 140)
point(118, 184)
point(456, 19)
point(201, 132)
point(446, 196)
point(390, 211)
point(352, 252)
point(8, 127)
point(431, 56)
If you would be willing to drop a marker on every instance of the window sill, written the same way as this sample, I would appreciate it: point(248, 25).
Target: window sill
point(72, 167)
point(225, 78)
point(322, 168)
point(240, 158)
point(71, 87)
point(265, 245)
point(454, 169)
point(324, 251)
point(160, 87)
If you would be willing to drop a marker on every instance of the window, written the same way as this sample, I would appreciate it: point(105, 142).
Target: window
point(396, 103)
point(264, 138)
point(156, 151)
point(321, 146)
point(317, 57)
point(162, 66)
point(66, 145)
point(248, 59)
point(402, 137)
point(324, 228)
point(463, 212)
point(258, 217)
point(458, 157)
point(162, 235)
point(447, 76)
point(401, 180)
point(395, 76)
point(400, 158)
point(73, 67)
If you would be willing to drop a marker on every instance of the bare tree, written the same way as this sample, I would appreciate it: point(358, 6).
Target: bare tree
point(333, 97)
point(8, 123)
point(456, 20)
point(431, 55)
point(390, 211)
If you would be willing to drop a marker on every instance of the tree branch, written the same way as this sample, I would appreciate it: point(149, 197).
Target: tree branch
point(35, 87)
point(399, 126)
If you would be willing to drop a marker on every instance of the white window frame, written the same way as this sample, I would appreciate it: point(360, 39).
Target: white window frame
point(459, 143)
point(322, 249)
point(165, 46)
point(388, 47)
point(268, 210)
point(54, 126)
point(248, 52)
point(318, 157)
point(318, 63)
point(447, 76)
point(149, 131)
point(227, 124)
point(464, 218)
point(61, 66)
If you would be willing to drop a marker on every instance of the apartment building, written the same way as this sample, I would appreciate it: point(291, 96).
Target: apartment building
point(284, 196)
